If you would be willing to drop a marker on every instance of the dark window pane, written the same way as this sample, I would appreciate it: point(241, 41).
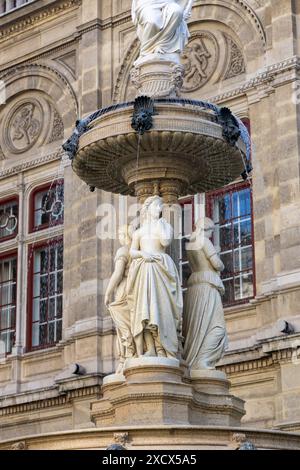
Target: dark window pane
point(51, 309)
point(59, 307)
point(243, 259)
point(222, 211)
point(43, 311)
point(59, 283)
point(242, 232)
point(44, 261)
point(228, 263)
point(44, 285)
point(8, 275)
point(58, 331)
point(241, 203)
point(51, 328)
point(233, 217)
point(49, 206)
point(8, 220)
point(225, 237)
point(43, 340)
point(47, 301)
point(228, 297)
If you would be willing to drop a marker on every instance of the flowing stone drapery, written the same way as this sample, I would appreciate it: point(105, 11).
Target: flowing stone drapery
point(161, 25)
point(204, 324)
point(116, 299)
point(155, 294)
point(153, 289)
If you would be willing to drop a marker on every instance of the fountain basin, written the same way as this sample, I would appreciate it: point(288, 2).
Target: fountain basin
point(185, 152)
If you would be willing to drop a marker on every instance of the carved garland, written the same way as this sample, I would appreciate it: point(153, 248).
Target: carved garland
point(236, 60)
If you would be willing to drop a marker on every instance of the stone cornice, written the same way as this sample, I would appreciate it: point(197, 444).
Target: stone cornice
point(7, 172)
point(265, 78)
point(34, 18)
point(47, 52)
point(50, 402)
point(272, 359)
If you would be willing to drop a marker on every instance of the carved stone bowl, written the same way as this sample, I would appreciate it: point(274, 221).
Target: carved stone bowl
point(184, 153)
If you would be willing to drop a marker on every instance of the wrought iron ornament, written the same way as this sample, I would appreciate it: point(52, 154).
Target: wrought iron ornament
point(142, 119)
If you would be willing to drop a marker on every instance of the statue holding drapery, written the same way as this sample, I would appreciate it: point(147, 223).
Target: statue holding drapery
point(162, 25)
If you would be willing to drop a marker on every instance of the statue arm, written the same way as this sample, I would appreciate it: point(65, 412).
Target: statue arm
point(135, 252)
point(187, 6)
point(166, 233)
point(115, 280)
point(212, 255)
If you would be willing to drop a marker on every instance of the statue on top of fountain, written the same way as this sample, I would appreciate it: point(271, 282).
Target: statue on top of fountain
point(161, 27)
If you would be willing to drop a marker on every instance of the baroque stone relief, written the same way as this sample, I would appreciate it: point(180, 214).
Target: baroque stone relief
point(236, 60)
point(57, 128)
point(29, 123)
point(200, 59)
point(24, 126)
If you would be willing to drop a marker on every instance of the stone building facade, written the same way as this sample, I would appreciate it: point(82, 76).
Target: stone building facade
point(63, 59)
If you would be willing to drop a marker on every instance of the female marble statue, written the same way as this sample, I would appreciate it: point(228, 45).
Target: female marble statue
point(161, 25)
point(154, 291)
point(116, 299)
point(203, 323)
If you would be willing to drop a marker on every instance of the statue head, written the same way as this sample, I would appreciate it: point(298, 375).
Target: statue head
point(205, 225)
point(125, 234)
point(152, 208)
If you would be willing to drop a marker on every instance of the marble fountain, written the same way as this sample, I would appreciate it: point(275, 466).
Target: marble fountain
point(166, 392)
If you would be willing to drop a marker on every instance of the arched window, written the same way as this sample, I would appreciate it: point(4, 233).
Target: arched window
point(45, 267)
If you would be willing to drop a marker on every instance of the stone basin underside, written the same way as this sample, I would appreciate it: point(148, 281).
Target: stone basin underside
point(185, 149)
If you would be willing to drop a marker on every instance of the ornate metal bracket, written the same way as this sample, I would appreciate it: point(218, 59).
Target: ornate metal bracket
point(231, 128)
point(71, 145)
point(142, 119)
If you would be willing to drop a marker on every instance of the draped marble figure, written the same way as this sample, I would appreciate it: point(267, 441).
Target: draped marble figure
point(116, 298)
point(154, 288)
point(204, 324)
point(161, 25)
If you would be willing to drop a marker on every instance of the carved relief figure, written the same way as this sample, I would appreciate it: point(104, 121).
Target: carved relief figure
point(161, 25)
point(116, 299)
point(197, 59)
point(25, 125)
point(154, 290)
point(204, 324)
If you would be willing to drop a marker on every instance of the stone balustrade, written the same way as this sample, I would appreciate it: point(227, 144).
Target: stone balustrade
point(8, 5)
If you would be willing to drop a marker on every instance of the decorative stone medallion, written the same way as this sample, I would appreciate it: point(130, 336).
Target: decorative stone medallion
point(200, 59)
point(24, 126)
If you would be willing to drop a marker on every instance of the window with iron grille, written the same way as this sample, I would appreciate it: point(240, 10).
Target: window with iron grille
point(8, 219)
point(8, 285)
point(47, 207)
point(231, 210)
point(46, 295)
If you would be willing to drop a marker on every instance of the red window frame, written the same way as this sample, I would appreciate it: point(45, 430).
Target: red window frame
point(6, 201)
point(210, 197)
point(3, 256)
point(32, 248)
point(35, 191)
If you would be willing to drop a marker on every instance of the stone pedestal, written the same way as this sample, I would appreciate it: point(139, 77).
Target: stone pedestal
point(154, 392)
point(158, 78)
